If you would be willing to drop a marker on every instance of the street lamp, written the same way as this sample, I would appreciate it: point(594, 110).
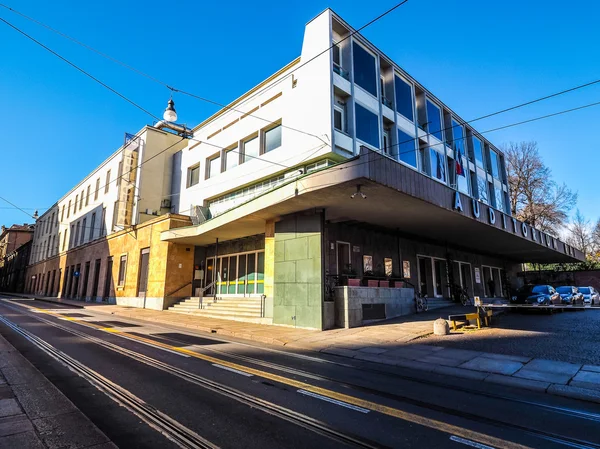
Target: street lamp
point(170, 115)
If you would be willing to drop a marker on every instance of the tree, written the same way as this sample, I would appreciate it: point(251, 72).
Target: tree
point(534, 197)
point(581, 235)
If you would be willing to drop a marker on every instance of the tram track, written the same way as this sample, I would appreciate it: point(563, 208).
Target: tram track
point(317, 426)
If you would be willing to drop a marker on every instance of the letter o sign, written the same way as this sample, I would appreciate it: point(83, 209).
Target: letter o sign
point(524, 229)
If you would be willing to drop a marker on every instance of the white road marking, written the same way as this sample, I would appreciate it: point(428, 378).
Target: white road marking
point(334, 401)
point(233, 370)
point(469, 442)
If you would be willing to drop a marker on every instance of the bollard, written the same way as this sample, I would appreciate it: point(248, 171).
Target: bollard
point(440, 327)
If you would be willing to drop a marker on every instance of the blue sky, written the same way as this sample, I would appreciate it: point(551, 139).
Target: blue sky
point(477, 57)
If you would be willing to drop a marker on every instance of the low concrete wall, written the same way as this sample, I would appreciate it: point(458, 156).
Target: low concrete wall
point(328, 315)
point(349, 302)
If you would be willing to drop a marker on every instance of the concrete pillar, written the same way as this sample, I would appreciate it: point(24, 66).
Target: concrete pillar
point(269, 267)
point(298, 271)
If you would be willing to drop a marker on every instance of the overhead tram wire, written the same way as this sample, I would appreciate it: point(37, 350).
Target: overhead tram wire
point(201, 98)
point(150, 77)
point(154, 79)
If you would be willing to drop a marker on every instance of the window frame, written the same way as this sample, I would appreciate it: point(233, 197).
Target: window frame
point(122, 271)
point(429, 101)
point(356, 106)
point(208, 164)
point(244, 142)
point(87, 196)
point(235, 150)
point(107, 184)
point(355, 44)
point(263, 140)
point(97, 192)
point(189, 177)
point(341, 108)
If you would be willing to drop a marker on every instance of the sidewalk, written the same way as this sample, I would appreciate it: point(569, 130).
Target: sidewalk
point(35, 414)
point(393, 343)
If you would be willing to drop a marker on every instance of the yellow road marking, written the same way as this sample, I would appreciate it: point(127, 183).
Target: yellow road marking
point(383, 409)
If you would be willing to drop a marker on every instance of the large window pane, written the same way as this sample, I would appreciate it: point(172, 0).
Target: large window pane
point(494, 164)
point(232, 159)
point(404, 98)
point(406, 149)
point(477, 151)
point(273, 138)
point(365, 71)
point(482, 189)
point(499, 199)
point(434, 119)
point(458, 141)
point(251, 149)
point(367, 126)
point(438, 164)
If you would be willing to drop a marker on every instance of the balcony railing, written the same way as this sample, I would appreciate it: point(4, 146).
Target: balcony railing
point(386, 102)
point(343, 73)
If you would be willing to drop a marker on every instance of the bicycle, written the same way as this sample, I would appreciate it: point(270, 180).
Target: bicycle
point(421, 302)
point(462, 295)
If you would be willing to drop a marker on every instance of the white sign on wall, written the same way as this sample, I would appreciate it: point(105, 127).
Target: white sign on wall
point(477, 276)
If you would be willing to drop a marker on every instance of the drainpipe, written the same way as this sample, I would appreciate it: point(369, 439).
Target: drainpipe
point(182, 130)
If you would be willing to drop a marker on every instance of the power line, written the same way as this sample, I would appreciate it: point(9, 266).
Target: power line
point(198, 97)
point(78, 68)
point(150, 77)
point(17, 207)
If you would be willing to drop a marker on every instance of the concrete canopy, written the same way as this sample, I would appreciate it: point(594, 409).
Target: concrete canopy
point(397, 197)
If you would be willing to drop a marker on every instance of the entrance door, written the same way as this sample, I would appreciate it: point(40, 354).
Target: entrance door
point(439, 269)
point(86, 277)
point(426, 276)
point(143, 280)
point(76, 276)
point(343, 256)
point(466, 279)
point(108, 280)
point(209, 278)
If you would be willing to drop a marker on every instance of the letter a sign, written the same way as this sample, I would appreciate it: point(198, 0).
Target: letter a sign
point(457, 202)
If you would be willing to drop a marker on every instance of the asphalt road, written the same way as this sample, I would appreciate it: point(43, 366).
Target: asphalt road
point(154, 387)
point(569, 336)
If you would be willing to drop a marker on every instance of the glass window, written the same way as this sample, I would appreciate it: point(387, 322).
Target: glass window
point(499, 199)
point(87, 195)
point(434, 120)
point(107, 183)
point(365, 71)
point(339, 118)
point(97, 190)
point(83, 228)
point(494, 164)
point(214, 167)
point(367, 126)
point(194, 176)
point(438, 164)
point(122, 269)
point(92, 226)
point(232, 158)
point(251, 149)
point(81, 199)
point(477, 151)
point(404, 99)
point(406, 149)
point(69, 209)
point(273, 138)
point(337, 60)
point(482, 189)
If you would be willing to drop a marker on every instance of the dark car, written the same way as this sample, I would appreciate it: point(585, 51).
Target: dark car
point(536, 294)
point(590, 295)
point(570, 295)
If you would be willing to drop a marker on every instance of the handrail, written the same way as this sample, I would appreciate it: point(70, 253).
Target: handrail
point(180, 288)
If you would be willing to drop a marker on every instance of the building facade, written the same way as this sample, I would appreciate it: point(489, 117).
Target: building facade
point(13, 253)
point(339, 166)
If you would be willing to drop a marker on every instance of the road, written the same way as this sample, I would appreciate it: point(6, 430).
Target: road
point(156, 387)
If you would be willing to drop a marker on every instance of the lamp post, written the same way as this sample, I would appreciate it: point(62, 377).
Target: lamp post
point(170, 115)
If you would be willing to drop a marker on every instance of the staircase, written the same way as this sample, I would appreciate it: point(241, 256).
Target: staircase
point(226, 307)
point(438, 303)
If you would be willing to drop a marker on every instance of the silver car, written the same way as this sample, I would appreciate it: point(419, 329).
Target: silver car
point(590, 295)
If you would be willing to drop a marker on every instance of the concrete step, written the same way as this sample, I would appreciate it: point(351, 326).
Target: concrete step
point(225, 314)
point(233, 305)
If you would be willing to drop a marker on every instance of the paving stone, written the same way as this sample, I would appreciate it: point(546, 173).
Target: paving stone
point(569, 391)
point(588, 376)
point(375, 358)
point(72, 430)
point(10, 425)
point(27, 440)
point(412, 364)
point(542, 376)
point(9, 407)
point(458, 354)
point(511, 381)
point(496, 366)
point(340, 351)
point(409, 353)
point(435, 360)
point(512, 358)
point(552, 366)
point(460, 372)
point(42, 401)
point(594, 368)
point(373, 350)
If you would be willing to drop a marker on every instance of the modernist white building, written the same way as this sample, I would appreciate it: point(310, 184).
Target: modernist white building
point(339, 165)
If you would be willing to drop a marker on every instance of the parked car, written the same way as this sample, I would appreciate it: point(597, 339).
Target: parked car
point(590, 295)
point(536, 294)
point(570, 295)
